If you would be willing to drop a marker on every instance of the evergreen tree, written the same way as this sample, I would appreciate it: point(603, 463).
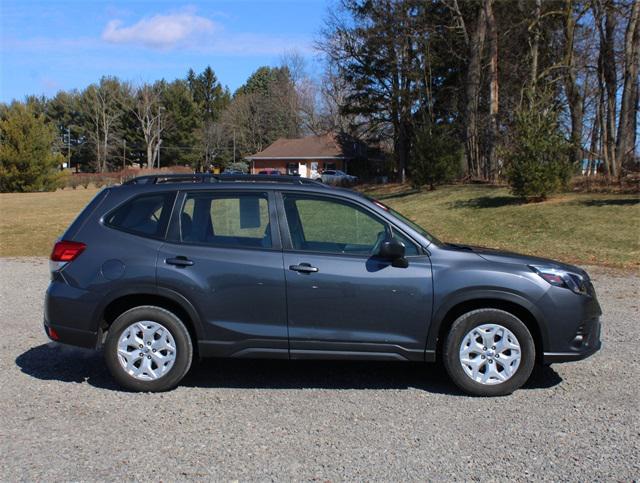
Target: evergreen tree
point(27, 158)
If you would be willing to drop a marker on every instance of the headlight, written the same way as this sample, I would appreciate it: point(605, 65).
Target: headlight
point(561, 278)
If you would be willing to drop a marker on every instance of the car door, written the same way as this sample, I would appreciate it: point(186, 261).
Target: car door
point(224, 257)
point(342, 301)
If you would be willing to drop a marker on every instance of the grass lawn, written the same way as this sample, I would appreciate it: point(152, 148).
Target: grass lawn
point(582, 228)
point(30, 222)
point(595, 229)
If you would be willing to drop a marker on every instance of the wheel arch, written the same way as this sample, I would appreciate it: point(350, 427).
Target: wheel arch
point(515, 305)
point(167, 300)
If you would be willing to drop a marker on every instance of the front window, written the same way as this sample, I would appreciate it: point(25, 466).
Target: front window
point(332, 226)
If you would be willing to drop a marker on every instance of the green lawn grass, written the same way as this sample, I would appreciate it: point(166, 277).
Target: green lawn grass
point(594, 229)
point(583, 228)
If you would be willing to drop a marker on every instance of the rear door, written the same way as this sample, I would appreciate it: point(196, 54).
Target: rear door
point(343, 301)
point(224, 256)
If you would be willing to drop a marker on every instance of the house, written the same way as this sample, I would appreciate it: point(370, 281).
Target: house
point(307, 156)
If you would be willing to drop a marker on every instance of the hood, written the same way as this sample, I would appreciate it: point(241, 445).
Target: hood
point(500, 256)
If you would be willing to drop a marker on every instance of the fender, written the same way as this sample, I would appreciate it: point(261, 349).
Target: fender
point(468, 295)
point(154, 290)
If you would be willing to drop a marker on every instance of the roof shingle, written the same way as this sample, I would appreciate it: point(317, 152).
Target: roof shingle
point(312, 147)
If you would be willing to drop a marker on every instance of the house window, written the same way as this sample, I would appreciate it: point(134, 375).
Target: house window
point(331, 166)
point(292, 168)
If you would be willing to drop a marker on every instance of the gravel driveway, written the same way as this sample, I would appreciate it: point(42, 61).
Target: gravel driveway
point(61, 418)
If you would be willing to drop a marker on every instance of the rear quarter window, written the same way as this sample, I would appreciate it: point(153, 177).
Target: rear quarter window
point(145, 215)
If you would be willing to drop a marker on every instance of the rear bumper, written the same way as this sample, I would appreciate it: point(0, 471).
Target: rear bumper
point(68, 311)
point(76, 337)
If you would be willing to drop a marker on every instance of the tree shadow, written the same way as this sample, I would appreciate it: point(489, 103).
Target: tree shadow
point(487, 202)
point(611, 201)
point(56, 362)
point(400, 194)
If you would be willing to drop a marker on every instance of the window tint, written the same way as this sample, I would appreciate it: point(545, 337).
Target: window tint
point(144, 215)
point(240, 220)
point(331, 226)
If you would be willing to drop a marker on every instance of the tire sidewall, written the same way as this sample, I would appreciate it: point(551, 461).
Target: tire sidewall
point(180, 334)
point(462, 326)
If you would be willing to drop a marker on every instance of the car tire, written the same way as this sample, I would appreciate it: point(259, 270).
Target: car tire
point(166, 346)
point(483, 368)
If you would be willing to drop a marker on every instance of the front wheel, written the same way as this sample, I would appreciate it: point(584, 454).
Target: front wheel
point(489, 352)
point(148, 349)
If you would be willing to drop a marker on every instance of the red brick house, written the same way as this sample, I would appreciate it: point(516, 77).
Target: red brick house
point(307, 156)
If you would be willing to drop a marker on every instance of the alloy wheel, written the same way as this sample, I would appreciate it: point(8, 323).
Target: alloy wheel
point(490, 354)
point(146, 350)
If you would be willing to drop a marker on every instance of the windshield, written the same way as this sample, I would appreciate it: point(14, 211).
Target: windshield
point(408, 222)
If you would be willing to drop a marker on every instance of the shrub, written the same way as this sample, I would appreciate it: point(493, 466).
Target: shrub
point(27, 159)
point(537, 155)
point(239, 166)
point(435, 157)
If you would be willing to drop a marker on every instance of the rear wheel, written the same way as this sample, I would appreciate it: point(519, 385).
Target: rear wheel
point(489, 352)
point(148, 349)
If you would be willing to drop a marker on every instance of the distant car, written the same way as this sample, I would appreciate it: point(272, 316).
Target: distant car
point(233, 171)
point(270, 172)
point(338, 178)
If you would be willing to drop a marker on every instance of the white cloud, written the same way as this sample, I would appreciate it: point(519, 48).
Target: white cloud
point(159, 31)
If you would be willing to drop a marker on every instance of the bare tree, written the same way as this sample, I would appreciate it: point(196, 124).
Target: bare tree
point(572, 89)
point(492, 165)
point(626, 140)
point(102, 106)
point(151, 116)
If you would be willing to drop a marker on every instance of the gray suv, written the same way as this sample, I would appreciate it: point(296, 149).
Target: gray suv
point(164, 269)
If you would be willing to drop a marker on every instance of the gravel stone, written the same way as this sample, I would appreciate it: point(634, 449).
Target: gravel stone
point(62, 417)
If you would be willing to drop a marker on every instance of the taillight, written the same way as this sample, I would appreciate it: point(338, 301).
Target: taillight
point(63, 253)
point(66, 251)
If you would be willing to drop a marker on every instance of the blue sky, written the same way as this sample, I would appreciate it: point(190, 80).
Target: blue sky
point(54, 45)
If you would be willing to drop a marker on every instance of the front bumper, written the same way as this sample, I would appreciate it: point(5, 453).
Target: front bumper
point(585, 343)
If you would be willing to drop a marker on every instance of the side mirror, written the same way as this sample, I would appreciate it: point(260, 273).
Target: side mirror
point(393, 250)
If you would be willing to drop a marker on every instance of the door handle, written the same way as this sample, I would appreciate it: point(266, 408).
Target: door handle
point(179, 261)
point(303, 268)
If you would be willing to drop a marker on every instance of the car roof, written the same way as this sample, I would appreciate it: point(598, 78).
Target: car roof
point(207, 181)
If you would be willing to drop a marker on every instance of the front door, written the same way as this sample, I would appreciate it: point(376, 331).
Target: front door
point(343, 302)
point(226, 259)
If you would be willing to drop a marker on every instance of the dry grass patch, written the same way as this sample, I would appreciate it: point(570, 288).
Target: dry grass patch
point(31, 222)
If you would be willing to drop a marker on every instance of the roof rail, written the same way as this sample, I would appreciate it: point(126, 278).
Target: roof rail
point(220, 178)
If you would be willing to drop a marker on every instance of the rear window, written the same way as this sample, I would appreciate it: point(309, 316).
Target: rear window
point(145, 215)
point(231, 220)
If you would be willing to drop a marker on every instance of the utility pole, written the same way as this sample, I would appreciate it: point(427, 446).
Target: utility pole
point(69, 148)
point(160, 109)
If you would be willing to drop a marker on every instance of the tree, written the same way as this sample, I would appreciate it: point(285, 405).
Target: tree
point(627, 126)
point(474, 30)
point(572, 89)
point(435, 156)
point(208, 93)
point(264, 109)
point(373, 49)
point(179, 139)
point(152, 118)
point(537, 153)
point(27, 158)
point(103, 105)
